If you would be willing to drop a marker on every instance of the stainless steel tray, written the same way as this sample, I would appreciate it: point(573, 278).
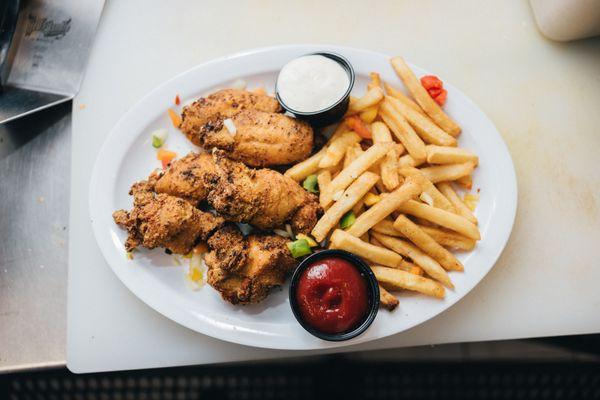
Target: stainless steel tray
point(48, 54)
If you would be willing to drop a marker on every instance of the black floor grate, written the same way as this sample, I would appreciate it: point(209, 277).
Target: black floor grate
point(335, 378)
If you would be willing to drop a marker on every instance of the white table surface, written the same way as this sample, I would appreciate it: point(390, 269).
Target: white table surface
point(544, 98)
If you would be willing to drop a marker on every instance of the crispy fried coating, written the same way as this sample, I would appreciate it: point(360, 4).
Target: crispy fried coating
point(244, 270)
point(186, 177)
point(207, 113)
point(263, 139)
point(263, 197)
point(229, 249)
point(160, 220)
point(306, 217)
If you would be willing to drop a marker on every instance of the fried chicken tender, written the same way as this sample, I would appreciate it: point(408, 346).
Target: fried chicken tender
point(263, 139)
point(207, 113)
point(244, 270)
point(263, 136)
point(186, 177)
point(263, 197)
point(161, 220)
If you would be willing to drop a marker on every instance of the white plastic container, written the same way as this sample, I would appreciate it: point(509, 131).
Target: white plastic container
point(565, 20)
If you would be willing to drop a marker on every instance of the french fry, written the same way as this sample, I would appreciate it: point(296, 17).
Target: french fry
point(337, 148)
point(375, 81)
point(400, 150)
point(334, 169)
point(449, 155)
point(376, 169)
point(375, 242)
point(423, 98)
point(348, 156)
point(372, 97)
point(307, 167)
point(386, 227)
point(404, 265)
point(403, 131)
point(429, 265)
point(407, 161)
point(352, 154)
point(427, 244)
point(370, 199)
point(359, 207)
point(389, 165)
point(427, 130)
point(466, 182)
point(447, 172)
point(434, 196)
point(449, 239)
point(380, 132)
point(411, 187)
point(365, 238)
point(351, 101)
point(395, 279)
point(387, 300)
point(351, 196)
point(438, 216)
point(391, 91)
point(420, 221)
point(344, 241)
point(444, 237)
point(460, 207)
point(339, 130)
point(470, 200)
point(368, 115)
point(323, 180)
point(412, 268)
point(357, 167)
point(389, 170)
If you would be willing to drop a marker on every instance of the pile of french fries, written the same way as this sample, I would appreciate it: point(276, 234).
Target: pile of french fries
point(400, 184)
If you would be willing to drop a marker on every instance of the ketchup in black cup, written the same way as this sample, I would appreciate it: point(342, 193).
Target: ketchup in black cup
point(334, 295)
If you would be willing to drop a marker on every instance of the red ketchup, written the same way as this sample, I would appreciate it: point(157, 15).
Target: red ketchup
point(332, 295)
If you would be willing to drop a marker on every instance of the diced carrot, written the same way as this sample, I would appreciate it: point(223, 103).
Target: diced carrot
point(431, 82)
point(165, 157)
point(357, 125)
point(175, 118)
point(369, 114)
point(177, 100)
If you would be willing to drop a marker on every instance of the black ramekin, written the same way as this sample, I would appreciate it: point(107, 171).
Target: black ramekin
point(372, 288)
point(330, 114)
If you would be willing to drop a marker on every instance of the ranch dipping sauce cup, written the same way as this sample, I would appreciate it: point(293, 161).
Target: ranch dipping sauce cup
point(316, 87)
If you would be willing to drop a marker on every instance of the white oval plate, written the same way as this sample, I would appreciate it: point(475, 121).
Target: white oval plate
point(153, 276)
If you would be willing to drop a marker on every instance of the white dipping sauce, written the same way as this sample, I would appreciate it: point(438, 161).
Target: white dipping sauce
point(312, 83)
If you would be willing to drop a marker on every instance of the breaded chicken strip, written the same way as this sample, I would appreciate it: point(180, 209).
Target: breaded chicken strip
point(263, 197)
point(208, 113)
point(262, 139)
point(186, 177)
point(160, 220)
point(244, 270)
